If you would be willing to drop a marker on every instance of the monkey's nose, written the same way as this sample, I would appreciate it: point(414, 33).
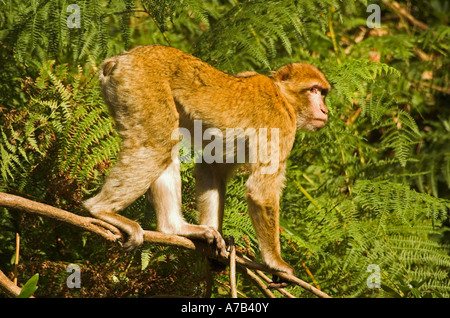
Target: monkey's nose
point(324, 109)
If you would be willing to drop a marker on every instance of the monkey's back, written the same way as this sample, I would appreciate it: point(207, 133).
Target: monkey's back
point(156, 83)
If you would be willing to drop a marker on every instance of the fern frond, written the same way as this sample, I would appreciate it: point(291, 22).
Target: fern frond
point(251, 28)
point(385, 197)
point(402, 136)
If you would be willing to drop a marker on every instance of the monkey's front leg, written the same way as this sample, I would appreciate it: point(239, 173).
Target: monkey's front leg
point(263, 192)
point(265, 221)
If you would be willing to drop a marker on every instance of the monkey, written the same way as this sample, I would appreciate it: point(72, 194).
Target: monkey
point(153, 90)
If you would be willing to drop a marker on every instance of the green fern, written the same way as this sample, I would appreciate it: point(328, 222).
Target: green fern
point(352, 78)
point(371, 188)
point(252, 29)
point(385, 197)
point(61, 123)
point(237, 222)
point(41, 29)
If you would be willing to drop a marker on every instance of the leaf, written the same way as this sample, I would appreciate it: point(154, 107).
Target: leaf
point(30, 287)
point(390, 291)
point(145, 258)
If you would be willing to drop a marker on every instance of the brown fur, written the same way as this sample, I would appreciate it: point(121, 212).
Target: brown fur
point(152, 90)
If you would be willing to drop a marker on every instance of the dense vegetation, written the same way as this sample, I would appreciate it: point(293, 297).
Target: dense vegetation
point(373, 187)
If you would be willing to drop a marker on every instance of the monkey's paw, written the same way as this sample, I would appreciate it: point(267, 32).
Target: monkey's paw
point(277, 281)
point(134, 239)
point(215, 240)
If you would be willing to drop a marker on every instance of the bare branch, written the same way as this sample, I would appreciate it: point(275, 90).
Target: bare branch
point(403, 13)
point(8, 286)
point(259, 283)
point(225, 285)
point(233, 268)
point(209, 282)
point(281, 290)
point(111, 233)
point(86, 223)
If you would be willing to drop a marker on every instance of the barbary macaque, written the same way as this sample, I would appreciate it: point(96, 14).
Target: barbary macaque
point(153, 91)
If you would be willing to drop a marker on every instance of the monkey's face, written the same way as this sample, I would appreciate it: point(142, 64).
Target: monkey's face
point(305, 88)
point(312, 113)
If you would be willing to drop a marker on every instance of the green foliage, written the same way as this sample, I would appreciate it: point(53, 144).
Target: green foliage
point(237, 222)
point(63, 129)
point(30, 287)
point(254, 29)
point(373, 187)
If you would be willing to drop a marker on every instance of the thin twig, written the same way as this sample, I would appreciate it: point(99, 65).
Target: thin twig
point(310, 275)
point(120, 12)
point(400, 11)
point(150, 13)
point(333, 35)
point(233, 268)
point(445, 90)
point(281, 290)
point(209, 281)
point(16, 258)
point(227, 286)
point(258, 282)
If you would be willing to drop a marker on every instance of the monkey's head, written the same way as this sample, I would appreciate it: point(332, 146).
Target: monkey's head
point(305, 88)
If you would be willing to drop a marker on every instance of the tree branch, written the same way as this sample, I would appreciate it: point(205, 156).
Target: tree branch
point(403, 13)
point(112, 234)
point(281, 290)
point(8, 286)
point(258, 282)
point(233, 268)
point(93, 225)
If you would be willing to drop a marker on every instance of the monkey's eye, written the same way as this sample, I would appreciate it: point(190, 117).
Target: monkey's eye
point(313, 90)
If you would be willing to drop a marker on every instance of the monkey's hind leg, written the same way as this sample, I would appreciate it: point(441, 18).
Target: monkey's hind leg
point(165, 194)
point(210, 182)
point(128, 179)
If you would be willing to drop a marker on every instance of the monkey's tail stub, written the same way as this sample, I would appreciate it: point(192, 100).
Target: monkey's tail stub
point(108, 66)
point(107, 69)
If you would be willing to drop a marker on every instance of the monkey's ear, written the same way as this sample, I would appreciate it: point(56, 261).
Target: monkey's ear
point(283, 74)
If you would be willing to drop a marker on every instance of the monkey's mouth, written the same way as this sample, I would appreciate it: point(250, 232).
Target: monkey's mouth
point(319, 122)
